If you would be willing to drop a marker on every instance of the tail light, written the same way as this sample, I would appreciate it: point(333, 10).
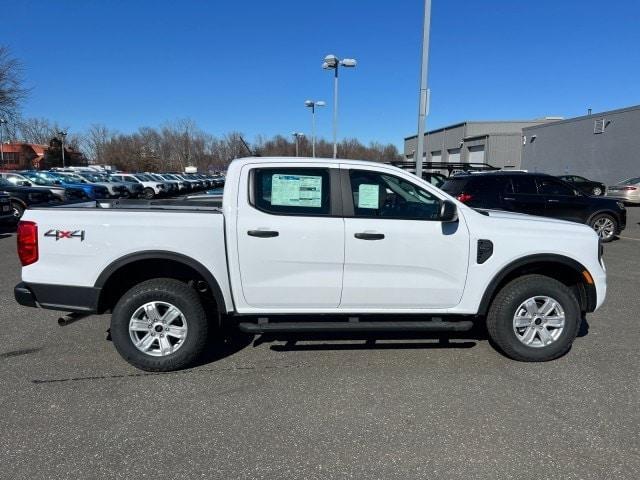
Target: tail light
point(464, 197)
point(630, 188)
point(27, 242)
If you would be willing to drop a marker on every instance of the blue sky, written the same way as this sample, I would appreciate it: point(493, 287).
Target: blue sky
point(249, 65)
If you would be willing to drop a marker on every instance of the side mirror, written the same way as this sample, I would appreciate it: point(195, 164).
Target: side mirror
point(24, 183)
point(448, 211)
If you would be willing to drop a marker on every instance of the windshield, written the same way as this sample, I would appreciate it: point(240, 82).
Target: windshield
point(35, 179)
point(630, 181)
point(144, 178)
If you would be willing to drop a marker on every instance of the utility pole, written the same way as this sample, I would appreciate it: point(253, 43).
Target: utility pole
point(2, 122)
point(424, 73)
point(312, 104)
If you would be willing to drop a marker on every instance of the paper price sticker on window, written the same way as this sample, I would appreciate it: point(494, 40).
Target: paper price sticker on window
point(296, 190)
point(368, 196)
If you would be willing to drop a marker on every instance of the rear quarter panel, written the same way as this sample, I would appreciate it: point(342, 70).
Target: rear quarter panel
point(111, 235)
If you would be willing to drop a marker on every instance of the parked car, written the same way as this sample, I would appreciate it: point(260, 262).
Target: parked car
point(590, 187)
point(26, 179)
point(150, 188)
point(22, 198)
point(298, 240)
point(134, 189)
point(93, 192)
point(184, 186)
point(173, 185)
point(194, 182)
point(116, 189)
point(6, 212)
point(538, 194)
point(627, 190)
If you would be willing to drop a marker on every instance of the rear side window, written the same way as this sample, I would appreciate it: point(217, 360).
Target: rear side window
point(288, 191)
point(454, 186)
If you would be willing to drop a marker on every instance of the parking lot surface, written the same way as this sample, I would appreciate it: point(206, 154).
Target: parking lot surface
point(333, 408)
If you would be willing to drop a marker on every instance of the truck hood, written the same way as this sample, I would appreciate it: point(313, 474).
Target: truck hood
point(552, 222)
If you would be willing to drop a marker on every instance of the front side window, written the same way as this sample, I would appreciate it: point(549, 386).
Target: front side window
point(551, 186)
point(292, 191)
point(379, 195)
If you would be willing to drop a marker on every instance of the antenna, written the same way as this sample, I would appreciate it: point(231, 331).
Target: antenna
point(246, 145)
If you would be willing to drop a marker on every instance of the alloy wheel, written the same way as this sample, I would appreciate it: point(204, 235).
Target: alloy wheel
point(539, 321)
point(158, 329)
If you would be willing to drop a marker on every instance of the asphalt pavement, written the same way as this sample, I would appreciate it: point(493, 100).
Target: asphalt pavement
point(383, 408)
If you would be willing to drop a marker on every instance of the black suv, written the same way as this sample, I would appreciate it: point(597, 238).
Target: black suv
point(538, 194)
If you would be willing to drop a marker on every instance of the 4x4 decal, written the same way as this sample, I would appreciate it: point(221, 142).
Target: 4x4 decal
point(59, 234)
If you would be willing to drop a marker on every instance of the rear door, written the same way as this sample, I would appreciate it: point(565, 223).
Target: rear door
point(398, 255)
point(290, 236)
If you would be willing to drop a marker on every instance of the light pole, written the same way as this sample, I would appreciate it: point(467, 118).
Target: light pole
point(312, 104)
point(333, 62)
point(2, 122)
point(424, 93)
point(63, 134)
point(297, 136)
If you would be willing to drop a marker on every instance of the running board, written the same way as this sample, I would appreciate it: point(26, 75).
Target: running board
point(386, 326)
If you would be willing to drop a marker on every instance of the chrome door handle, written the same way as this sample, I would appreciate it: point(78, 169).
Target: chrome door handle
point(551, 200)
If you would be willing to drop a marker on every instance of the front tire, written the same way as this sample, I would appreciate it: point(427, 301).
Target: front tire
point(534, 319)
point(160, 326)
point(148, 193)
point(605, 225)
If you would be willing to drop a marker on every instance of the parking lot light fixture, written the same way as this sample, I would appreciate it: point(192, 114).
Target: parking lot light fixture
point(63, 135)
point(297, 136)
point(312, 104)
point(331, 62)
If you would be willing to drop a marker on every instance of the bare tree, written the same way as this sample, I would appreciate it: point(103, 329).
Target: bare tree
point(12, 89)
point(93, 142)
point(37, 130)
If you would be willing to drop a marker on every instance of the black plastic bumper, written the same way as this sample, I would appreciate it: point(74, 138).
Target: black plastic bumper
point(58, 297)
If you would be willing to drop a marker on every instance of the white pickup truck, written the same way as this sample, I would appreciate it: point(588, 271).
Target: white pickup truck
point(300, 245)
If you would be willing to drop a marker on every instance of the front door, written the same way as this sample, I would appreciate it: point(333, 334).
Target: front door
point(398, 255)
point(561, 200)
point(290, 238)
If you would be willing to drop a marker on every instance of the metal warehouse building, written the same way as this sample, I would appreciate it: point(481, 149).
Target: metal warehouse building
point(498, 143)
point(603, 146)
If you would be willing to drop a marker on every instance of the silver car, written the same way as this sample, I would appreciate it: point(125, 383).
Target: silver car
point(627, 190)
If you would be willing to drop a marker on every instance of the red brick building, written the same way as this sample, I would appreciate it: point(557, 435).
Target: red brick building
point(21, 156)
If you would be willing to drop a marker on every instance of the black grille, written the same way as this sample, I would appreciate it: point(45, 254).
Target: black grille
point(485, 250)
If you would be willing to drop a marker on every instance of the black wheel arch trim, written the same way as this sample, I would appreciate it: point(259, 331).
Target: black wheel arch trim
point(588, 303)
point(165, 255)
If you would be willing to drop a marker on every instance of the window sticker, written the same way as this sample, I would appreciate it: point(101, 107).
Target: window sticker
point(296, 190)
point(368, 196)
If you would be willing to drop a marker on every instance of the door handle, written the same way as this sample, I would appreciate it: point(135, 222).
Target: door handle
point(263, 233)
point(509, 199)
point(369, 236)
point(551, 200)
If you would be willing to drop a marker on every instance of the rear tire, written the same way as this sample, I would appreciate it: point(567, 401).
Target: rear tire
point(184, 338)
point(508, 319)
point(605, 225)
point(148, 193)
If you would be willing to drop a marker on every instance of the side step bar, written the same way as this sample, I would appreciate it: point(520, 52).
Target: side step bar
point(386, 326)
